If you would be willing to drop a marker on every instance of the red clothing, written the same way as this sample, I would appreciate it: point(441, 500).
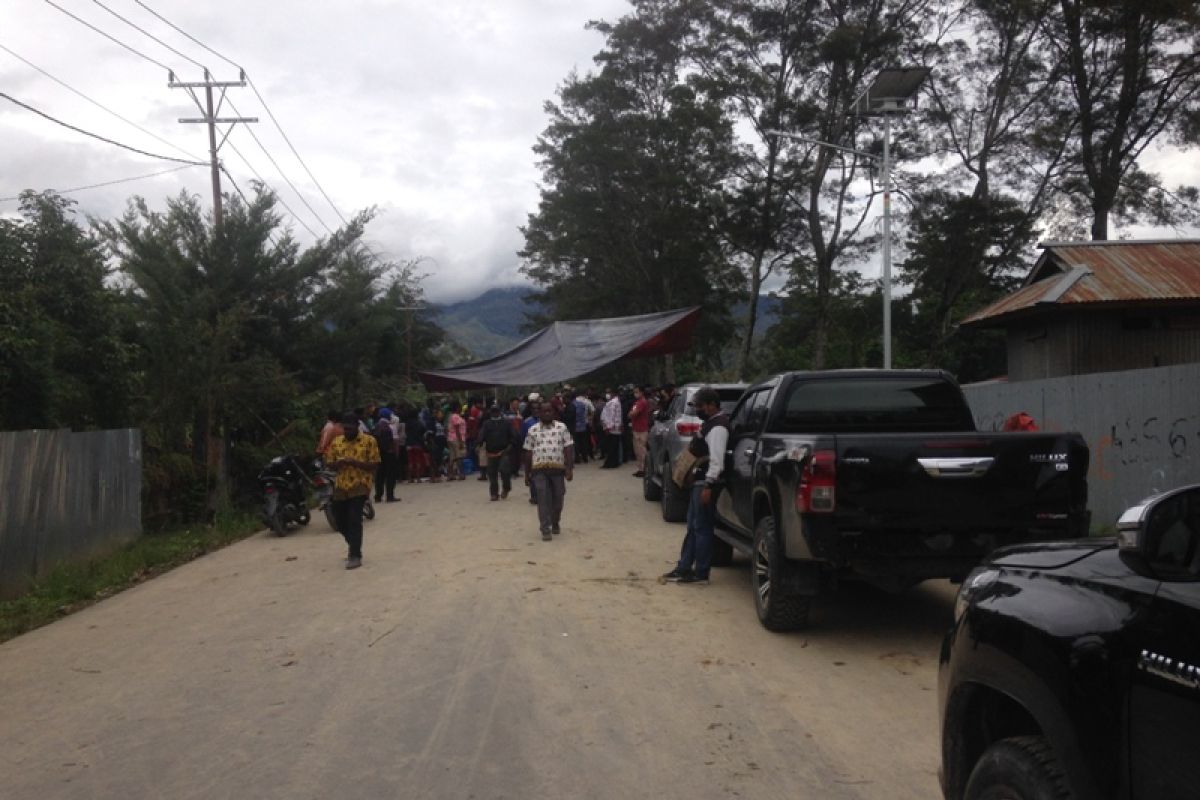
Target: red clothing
point(639, 416)
point(474, 419)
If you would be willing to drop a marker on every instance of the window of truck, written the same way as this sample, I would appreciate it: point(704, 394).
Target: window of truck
point(874, 404)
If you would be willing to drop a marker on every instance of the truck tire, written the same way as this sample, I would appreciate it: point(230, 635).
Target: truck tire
point(1020, 768)
point(650, 490)
point(674, 500)
point(722, 552)
point(779, 607)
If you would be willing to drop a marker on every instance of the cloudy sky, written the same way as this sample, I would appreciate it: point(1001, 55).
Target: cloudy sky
point(427, 110)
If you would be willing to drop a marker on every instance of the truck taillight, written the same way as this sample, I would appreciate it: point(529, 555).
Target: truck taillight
point(815, 492)
point(687, 428)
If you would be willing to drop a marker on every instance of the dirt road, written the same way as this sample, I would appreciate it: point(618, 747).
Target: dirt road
point(469, 659)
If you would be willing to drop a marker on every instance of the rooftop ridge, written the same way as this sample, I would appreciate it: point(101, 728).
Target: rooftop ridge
point(1114, 242)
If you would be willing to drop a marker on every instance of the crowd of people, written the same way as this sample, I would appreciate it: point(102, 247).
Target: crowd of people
point(540, 438)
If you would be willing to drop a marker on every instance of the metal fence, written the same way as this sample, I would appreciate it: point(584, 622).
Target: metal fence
point(1142, 426)
point(65, 497)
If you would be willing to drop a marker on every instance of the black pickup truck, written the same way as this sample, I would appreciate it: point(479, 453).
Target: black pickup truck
point(1073, 668)
point(880, 475)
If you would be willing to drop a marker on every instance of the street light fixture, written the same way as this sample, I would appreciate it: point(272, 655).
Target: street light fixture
point(892, 93)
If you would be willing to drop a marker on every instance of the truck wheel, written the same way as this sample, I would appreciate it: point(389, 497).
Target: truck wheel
point(674, 500)
point(722, 552)
point(1021, 768)
point(779, 609)
point(651, 490)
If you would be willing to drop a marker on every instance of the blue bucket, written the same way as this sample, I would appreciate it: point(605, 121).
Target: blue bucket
point(468, 466)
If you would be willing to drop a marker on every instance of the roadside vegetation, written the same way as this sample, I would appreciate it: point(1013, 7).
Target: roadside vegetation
point(71, 587)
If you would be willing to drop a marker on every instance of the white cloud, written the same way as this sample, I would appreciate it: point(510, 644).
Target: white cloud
point(426, 110)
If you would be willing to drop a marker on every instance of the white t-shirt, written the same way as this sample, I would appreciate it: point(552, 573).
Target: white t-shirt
point(549, 445)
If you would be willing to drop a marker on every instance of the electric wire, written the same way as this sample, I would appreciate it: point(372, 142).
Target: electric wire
point(111, 183)
point(57, 121)
point(279, 169)
point(145, 32)
point(261, 99)
point(96, 103)
point(261, 180)
point(111, 38)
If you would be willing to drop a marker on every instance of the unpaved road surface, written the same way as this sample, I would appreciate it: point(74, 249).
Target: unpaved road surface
point(469, 659)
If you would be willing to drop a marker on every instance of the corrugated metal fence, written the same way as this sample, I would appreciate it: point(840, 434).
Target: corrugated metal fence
point(65, 497)
point(1143, 427)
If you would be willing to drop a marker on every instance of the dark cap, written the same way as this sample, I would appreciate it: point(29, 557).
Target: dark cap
point(705, 395)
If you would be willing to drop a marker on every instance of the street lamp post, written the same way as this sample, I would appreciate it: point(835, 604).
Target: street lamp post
point(892, 92)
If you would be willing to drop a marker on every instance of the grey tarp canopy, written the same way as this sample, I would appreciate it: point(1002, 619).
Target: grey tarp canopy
point(567, 350)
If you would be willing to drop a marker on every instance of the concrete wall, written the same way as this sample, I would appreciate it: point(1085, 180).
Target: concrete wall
point(65, 497)
point(1142, 426)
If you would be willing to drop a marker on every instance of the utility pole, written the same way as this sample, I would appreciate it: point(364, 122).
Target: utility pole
point(212, 119)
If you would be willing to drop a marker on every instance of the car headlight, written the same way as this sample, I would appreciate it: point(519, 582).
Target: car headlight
point(977, 580)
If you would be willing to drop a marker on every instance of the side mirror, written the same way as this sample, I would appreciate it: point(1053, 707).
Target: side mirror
point(1160, 537)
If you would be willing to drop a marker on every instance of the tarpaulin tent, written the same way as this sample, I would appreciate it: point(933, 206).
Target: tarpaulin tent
point(567, 350)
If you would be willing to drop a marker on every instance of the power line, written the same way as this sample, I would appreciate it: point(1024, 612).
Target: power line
point(261, 99)
point(261, 180)
point(56, 121)
point(111, 183)
point(96, 103)
point(141, 30)
point(282, 174)
point(184, 33)
point(292, 147)
point(111, 38)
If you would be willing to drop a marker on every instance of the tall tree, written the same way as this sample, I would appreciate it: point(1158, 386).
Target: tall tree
point(1132, 78)
point(752, 56)
point(633, 161)
point(65, 353)
point(853, 39)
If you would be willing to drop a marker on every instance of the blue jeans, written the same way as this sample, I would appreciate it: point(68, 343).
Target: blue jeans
point(696, 553)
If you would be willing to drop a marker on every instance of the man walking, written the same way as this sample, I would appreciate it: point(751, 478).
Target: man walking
point(385, 438)
point(497, 439)
point(610, 421)
point(695, 557)
point(549, 459)
point(639, 421)
point(355, 456)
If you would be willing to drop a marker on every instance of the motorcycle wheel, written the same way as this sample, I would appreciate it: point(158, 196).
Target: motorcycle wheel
point(277, 526)
point(368, 509)
point(330, 518)
point(305, 517)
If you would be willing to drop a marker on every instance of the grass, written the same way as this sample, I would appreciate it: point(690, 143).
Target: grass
point(68, 588)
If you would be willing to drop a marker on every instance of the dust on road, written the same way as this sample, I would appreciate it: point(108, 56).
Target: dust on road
point(469, 659)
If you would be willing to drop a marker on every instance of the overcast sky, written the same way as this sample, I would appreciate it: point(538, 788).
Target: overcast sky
point(427, 110)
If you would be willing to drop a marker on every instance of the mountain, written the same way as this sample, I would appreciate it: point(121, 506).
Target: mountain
point(487, 324)
point(491, 323)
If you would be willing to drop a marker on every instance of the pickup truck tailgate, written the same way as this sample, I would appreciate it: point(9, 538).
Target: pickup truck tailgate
point(959, 482)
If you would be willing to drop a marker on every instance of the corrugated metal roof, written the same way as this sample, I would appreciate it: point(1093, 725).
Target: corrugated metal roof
point(1087, 273)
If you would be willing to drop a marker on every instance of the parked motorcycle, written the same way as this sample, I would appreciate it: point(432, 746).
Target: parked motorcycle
point(285, 494)
point(323, 481)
